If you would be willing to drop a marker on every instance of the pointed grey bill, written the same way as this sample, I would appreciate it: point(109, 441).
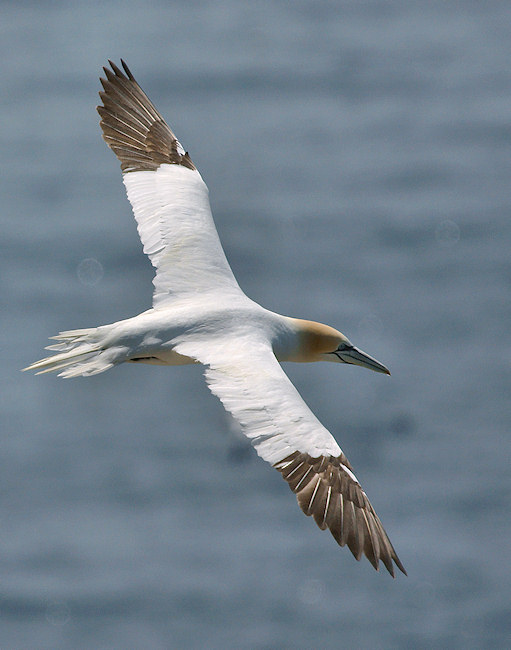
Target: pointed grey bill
point(359, 358)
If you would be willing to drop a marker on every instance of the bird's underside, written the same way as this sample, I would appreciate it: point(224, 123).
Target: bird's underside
point(171, 207)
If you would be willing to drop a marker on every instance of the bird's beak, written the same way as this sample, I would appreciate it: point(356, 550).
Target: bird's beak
point(359, 358)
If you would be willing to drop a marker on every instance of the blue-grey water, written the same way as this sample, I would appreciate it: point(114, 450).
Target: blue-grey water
point(358, 156)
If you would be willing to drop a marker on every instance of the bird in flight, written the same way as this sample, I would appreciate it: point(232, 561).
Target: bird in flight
point(200, 315)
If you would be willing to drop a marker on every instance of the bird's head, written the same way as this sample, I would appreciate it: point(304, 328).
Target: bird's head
point(320, 342)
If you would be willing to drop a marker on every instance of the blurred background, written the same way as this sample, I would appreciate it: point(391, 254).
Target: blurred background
point(358, 156)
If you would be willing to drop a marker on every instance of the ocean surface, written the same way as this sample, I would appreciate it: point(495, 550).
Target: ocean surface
point(358, 156)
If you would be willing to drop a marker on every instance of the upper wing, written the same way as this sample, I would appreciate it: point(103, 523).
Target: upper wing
point(285, 432)
point(169, 198)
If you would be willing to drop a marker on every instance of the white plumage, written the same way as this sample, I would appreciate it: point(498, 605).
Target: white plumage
point(200, 314)
point(171, 206)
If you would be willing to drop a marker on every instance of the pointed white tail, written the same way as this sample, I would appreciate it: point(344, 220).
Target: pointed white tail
point(78, 355)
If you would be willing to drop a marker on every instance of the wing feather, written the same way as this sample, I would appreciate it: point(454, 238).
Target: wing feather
point(169, 198)
point(284, 431)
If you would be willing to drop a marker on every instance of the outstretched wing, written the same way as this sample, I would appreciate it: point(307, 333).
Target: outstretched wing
point(169, 198)
point(285, 432)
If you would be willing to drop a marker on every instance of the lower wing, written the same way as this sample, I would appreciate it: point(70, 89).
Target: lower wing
point(285, 432)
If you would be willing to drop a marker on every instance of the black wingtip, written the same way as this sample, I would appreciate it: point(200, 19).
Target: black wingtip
point(118, 72)
point(127, 70)
point(401, 568)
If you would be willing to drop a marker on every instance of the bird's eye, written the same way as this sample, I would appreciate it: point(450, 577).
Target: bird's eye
point(344, 346)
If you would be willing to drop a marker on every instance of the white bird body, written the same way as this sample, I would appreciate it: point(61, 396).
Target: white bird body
point(200, 315)
point(154, 336)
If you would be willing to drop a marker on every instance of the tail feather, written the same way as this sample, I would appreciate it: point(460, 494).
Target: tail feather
point(69, 339)
point(93, 367)
point(78, 356)
point(57, 361)
point(73, 335)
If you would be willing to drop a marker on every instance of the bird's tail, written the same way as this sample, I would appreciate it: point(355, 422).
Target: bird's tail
point(78, 355)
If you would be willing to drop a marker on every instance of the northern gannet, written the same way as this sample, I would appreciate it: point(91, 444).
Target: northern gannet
point(200, 315)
